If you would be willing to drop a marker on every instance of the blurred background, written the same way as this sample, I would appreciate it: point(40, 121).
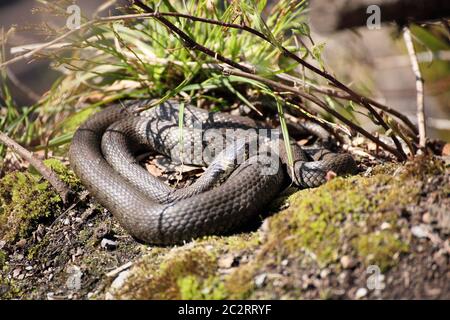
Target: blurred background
point(375, 58)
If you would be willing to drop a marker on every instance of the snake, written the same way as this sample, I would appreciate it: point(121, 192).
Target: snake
point(230, 193)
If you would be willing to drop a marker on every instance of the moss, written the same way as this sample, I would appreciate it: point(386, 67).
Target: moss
point(152, 282)
point(320, 220)
point(25, 201)
point(34, 250)
point(192, 273)
point(9, 289)
point(64, 173)
point(379, 248)
point(314, 219)
point(194, 288)
point(241, 242)
point(2, 259)
point(240, 283)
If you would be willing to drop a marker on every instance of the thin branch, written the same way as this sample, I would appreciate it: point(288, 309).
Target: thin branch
point(191, 44)
point(341, 95)
point(318, 102)
point(360, 99)
point(195, 45)
point(419, 87)
point(287, 78)
point(85, 25)
point(61, 187)
point(446, 25)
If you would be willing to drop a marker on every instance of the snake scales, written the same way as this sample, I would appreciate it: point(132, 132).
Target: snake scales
point(103, 152)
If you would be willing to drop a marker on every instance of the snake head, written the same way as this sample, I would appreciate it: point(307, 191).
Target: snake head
point(311, 174)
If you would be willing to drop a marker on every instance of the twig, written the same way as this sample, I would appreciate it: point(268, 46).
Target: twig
point(85, 25)
point(413, 132)
point(61, 187)
point(360, 99)
point(318, 102)
point(419, 87)
point(191, 44)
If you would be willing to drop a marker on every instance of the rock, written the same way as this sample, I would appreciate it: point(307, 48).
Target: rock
point(21, 243)
point(16, 272)
point(260, 279)
point(108, 244)
point(79, 252)
point(426, 218)
point(73, 282)
point(440, 259)
point(420, 231)
point(226, 262)
point(446, 150)
point(385, 226)
point(324, 273)
point(118, 282)
point(265, 227)
point(360, 293)
point(432, 292)
point(344, 277)
point(109, 296)
point(348, 262)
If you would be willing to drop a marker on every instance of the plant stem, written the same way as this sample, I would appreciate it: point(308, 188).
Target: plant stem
point(59, 185)
point(318, 102)
point(419, 87)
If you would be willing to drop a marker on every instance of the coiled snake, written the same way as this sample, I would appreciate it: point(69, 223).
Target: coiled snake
point(104, 148)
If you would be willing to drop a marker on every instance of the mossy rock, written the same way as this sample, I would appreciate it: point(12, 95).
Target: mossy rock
point(26, 200)
point(319, 220)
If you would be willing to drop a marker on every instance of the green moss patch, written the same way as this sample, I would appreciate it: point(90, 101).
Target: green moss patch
point(379, 248)
point(320, 220)
point(192, 273)
point(26, 200)
point(177, 276)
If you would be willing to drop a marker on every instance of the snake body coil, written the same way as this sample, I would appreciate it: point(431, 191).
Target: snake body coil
point(103, 152)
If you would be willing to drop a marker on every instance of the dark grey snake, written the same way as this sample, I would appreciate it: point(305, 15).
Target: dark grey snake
point(103, 155)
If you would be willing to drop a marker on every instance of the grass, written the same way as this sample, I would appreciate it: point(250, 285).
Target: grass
point(141, 59)
point(135, 59)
